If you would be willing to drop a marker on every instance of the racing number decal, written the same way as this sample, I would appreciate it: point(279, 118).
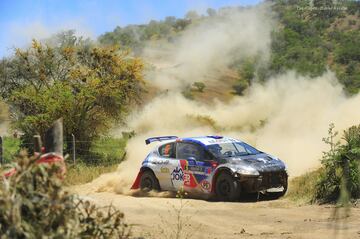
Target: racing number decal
point(187, 179)
point(183, 175)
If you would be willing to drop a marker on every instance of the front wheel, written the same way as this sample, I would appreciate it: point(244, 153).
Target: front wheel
point(227, 188)
point(149, 182)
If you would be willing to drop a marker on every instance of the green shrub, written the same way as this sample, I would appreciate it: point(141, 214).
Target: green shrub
point(200, 86)
point(33, 204)
point(240, 87)
point(11, 148)
point(104, 151)
point(340, 178)
point(187, 93)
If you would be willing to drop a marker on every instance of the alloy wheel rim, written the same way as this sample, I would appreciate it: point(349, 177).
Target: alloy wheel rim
point(147, 183)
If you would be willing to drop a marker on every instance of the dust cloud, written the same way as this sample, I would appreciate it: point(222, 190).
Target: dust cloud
point(207, 47)
point(287, 116)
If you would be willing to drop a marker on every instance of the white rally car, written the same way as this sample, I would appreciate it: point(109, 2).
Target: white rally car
point(213, 166)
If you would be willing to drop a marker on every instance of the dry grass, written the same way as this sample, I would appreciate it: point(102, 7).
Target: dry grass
point(302, 188)
point(82, 173)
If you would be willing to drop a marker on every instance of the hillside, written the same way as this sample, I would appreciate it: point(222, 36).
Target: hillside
point(306, 39)
point(282, 76)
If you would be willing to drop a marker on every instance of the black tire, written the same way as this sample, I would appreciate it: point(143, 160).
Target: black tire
point(149, 182)
point(227, 188)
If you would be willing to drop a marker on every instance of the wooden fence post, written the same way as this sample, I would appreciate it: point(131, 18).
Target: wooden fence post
point(73, 148)
point(54, 138)
point(37, 144)
point(1, 150)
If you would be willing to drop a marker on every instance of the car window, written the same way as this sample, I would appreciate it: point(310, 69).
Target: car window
point(250, 148)
point(231, 149)
point(187, 150)
point(241, 149)
point(167, 150)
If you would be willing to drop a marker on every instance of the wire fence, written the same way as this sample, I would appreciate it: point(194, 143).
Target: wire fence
point(94, 152)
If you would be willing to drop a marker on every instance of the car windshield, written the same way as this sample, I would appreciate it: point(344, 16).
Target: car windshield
point(232, 149)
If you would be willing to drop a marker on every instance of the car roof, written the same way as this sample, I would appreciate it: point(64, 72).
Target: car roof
point(208, 140)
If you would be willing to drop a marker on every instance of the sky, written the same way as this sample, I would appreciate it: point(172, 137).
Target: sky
point(23, 20)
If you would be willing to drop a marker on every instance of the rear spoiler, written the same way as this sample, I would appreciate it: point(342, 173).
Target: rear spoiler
point(161, 138)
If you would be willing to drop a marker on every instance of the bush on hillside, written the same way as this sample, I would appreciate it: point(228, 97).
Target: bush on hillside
point(199, 86)
point(340, 179)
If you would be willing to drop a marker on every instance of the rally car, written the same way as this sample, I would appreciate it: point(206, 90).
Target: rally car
point(212, 166)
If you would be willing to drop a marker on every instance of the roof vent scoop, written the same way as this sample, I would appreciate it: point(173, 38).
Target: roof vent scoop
point(215, 136)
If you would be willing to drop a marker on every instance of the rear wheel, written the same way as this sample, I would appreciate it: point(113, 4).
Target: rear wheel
point(149, 182)
point(227, 188)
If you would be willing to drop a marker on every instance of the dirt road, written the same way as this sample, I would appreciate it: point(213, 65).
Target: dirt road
point(152, 217)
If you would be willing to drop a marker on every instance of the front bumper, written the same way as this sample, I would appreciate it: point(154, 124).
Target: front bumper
point(265, 180)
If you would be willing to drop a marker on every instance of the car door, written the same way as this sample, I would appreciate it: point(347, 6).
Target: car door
point(167, 164)
point(195, 164)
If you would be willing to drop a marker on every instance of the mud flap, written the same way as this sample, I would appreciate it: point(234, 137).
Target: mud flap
point(136, 184)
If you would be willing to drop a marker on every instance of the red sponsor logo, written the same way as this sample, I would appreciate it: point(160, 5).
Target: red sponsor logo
point(205, 185)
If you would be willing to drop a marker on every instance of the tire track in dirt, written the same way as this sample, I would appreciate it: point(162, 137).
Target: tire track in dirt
point(153, 217)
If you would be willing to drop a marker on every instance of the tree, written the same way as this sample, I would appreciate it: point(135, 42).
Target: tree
point(200, 86)
point(247, 70)
point(181, 24)
point(192, 15)
point(170, 20)
point(240, 87)
point(90, 87)
point(211, 12)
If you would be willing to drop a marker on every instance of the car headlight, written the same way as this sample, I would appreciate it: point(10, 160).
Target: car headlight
point(246, 170)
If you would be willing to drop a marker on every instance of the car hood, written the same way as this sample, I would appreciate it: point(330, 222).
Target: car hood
point(261, 162)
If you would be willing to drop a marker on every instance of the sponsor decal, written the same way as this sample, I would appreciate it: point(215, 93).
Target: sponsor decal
point(187, 179)
point(205, 185)
point(200, 170)
point(177, 174)
point(195, 168)
point(146, 159)
point(164, 170)
point(161, 161)
point(217, 141)
point(262, 160)
point(208, 170)
point(184, 164)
